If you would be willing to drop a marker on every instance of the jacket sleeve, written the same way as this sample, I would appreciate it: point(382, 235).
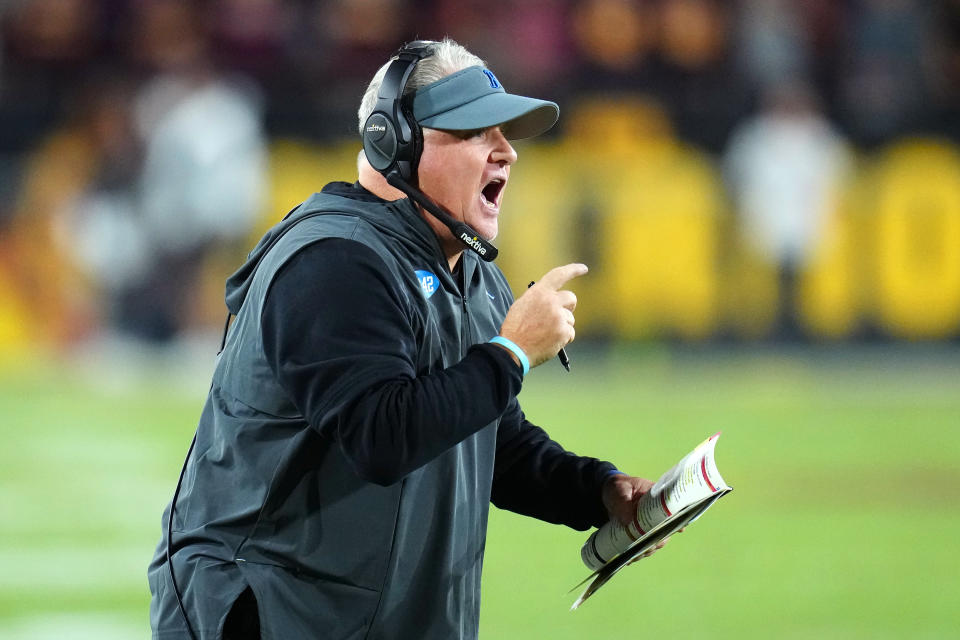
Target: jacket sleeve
point(535, 476)
point(338, 336)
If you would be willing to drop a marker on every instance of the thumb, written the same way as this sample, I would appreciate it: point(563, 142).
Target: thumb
point(559, 276)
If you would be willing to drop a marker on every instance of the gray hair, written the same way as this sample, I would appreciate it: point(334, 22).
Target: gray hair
point(447, 57)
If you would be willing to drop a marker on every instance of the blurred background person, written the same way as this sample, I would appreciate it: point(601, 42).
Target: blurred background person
point(786, 167)
point(882, 88)
point(158, 169)
point(74, 235)
point(204, 167)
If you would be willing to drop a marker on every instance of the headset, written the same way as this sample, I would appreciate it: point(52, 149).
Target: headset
point(393, 142)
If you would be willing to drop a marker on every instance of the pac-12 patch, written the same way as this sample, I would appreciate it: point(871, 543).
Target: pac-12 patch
point(428, 282)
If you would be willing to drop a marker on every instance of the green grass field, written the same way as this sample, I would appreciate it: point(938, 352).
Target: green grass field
point(843, 522)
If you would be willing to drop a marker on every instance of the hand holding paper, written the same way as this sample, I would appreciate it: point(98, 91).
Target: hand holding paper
point(679, 497)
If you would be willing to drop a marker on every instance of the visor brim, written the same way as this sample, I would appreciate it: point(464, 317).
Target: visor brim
point(518, 116)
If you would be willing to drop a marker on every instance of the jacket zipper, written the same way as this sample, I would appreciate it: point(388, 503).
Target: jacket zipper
point(465, 339)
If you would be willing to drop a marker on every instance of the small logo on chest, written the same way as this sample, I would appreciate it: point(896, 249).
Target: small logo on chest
point(428, 282)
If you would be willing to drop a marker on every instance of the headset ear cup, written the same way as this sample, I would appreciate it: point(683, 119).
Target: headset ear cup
point(392, 139)
point(379, 142)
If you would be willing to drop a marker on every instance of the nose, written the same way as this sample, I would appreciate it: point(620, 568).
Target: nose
point(502, 152)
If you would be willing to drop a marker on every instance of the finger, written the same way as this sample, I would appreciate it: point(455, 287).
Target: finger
point(567, 338)
point(559, 276)
point(625, 513)
point(644, 485)
point(569, 317)
point(567, 299)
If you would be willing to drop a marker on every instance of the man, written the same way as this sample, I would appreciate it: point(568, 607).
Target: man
point(363, 411)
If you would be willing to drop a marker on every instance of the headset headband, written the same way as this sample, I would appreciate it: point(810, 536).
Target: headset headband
point(392, 138)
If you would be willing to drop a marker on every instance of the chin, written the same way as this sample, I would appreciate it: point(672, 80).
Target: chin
point(485, 224)
point(487, 230)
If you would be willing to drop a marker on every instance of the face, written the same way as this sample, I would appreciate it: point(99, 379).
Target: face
point(467, 173)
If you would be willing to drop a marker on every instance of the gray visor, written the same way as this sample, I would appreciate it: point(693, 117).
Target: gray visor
point(474, 99)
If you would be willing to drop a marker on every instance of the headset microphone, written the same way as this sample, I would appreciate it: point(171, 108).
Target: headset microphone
point(460, 230)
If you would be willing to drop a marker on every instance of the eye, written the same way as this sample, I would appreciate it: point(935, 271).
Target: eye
point(471, 133)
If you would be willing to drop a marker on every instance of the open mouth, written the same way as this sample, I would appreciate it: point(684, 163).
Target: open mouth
point(492, 192)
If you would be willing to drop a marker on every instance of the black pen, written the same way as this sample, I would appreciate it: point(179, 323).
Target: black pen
point(562, 355)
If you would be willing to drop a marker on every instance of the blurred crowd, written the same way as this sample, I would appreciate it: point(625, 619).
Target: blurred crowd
point(135, 135)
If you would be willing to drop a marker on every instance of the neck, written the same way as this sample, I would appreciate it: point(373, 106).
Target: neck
point(371, 180)
point(452, 248)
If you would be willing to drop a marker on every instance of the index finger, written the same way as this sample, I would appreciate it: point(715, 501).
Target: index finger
point(559, 276)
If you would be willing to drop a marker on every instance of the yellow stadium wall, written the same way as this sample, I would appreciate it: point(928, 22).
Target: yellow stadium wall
point(651, 218)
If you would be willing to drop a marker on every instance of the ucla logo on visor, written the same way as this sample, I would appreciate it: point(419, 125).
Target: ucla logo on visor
point(428, 282)
point(494, 83)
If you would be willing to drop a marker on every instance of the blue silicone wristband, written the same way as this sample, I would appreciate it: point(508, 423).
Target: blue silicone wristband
point(517, 351)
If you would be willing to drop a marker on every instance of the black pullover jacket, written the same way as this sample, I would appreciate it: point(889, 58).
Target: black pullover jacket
point(355, 432)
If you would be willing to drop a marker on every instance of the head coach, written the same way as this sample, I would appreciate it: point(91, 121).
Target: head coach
point(363, 411)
